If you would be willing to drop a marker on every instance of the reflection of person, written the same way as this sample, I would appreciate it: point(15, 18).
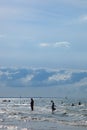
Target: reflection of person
point(53, 106)
point(32, 104)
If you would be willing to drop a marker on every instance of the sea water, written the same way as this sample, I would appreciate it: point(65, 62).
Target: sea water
point(15, 113)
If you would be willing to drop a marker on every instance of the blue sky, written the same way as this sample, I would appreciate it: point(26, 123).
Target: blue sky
point(49, 33)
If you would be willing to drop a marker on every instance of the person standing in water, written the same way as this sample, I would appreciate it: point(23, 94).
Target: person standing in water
point(32, 104)
point(53, 106)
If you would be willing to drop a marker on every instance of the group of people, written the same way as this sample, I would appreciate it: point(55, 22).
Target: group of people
point(53, 106)
point(79, 103)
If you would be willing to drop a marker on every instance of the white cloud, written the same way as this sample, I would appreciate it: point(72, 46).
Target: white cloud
point(83, 18)
point(79, 20)
point(59, 77)
point(27, 78)
point(57, 44)
point(44, 44)
point(4, 73)
point(83, 82)
point(62, 44)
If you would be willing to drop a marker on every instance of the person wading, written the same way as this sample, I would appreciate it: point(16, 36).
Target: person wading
point(32, 104)
point(53, 106)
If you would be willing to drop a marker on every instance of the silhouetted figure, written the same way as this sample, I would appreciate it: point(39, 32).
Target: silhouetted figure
point(32, 104)
point(53, 107)
point(79, 103)
point(72, 104)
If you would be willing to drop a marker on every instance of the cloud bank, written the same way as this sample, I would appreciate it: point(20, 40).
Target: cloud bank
point(42, 82)
point(27, 77)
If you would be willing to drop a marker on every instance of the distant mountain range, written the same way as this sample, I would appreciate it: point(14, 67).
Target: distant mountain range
point(41, 77)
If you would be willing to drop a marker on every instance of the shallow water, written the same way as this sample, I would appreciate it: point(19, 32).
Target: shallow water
point(15, 114)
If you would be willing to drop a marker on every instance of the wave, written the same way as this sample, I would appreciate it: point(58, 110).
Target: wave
point(15, 110)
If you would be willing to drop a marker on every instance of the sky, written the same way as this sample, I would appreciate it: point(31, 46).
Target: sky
point(42, 33)
point(49, 33)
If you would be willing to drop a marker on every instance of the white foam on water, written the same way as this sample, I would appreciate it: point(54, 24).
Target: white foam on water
point(24, 129)
point(15, 112)
point(8, 127)
point(1, 126)
point(12, 127)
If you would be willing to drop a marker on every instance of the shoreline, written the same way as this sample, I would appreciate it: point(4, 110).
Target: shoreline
point(43, 125)
point(38, 125)
point(24, 124)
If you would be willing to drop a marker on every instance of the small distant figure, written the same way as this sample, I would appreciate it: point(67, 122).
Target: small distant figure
point(72, 104)
point(79, 103)
point(32, 104)
point(53, 106)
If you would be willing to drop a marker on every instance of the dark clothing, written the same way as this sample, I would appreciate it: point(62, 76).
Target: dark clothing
point(53, 107)
point(32, 104)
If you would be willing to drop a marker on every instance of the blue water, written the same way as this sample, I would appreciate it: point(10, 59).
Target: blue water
point(15, 113)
